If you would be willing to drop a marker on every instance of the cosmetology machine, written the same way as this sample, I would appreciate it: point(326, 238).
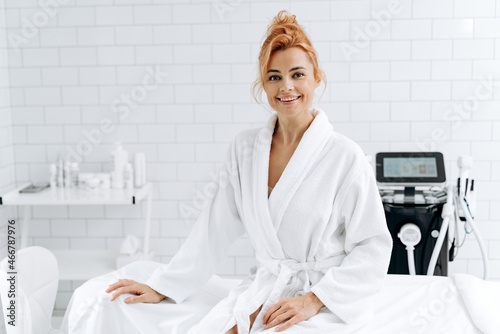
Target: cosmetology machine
point(424, 215)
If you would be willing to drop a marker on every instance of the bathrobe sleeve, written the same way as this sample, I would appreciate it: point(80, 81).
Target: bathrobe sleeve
point(217, 226)
point(349, 289)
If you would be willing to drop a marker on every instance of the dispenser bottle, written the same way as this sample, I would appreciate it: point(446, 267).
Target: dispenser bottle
point(67, 176)
point(73, 175)
point(128, 176)
point(140, 169)
point(60, 172)
point(53, 175)
point(120, 159)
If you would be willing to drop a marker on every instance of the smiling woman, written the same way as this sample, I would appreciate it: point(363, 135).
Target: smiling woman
point(284, 33)
point(320, 236)
point(290, 82)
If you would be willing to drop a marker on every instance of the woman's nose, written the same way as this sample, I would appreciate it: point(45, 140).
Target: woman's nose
point(286, 86)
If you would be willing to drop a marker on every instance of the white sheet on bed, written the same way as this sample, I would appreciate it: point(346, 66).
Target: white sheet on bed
point(482, 299)
point(90, 311)
point(406, 304)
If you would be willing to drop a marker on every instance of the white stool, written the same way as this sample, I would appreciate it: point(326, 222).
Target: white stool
point(37, 281)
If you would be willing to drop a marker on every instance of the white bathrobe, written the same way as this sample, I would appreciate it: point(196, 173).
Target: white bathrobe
point(322, 229)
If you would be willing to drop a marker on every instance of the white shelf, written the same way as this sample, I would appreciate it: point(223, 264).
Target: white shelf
point(81, 264)
point(75, 196)
point(84, 264)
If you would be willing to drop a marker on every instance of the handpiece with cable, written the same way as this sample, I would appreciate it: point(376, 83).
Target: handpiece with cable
point(410, 236)
point(447, 215)
point(464, 164)
point(463, 208)
point(468, 216)
point(472, 198)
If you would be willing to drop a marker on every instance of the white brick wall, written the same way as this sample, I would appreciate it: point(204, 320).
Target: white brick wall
point(390, 95)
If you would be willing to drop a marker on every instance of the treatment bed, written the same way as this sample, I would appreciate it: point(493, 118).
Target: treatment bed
point(406, 304)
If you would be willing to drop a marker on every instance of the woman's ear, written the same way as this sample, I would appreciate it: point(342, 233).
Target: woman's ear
point(318, 82)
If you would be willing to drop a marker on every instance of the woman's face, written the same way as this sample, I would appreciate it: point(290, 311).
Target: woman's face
point(290, 82)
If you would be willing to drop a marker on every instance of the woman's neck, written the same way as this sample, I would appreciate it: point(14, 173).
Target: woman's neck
point(289, 130)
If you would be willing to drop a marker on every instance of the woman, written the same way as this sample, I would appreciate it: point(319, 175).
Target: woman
point(320, 238)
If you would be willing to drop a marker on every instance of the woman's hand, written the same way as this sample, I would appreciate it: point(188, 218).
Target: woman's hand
point(295, 309)
point(144, 293)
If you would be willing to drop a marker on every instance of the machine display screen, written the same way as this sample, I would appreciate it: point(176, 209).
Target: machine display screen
point(410, 167)
point(416, 168)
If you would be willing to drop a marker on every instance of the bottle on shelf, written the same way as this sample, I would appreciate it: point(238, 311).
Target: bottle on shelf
point(73, 175)
point(67, 177)
point(139, 169)
point(53, 175)
point(128, 176)
point(120, 159)
point(60, 172)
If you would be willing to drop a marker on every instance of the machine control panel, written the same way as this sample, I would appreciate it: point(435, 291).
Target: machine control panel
point(399, 174)
point(410, 169)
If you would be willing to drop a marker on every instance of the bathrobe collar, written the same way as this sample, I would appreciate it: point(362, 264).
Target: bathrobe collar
point(270, 211)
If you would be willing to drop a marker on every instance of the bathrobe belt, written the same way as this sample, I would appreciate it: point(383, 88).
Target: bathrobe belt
point(285, 270)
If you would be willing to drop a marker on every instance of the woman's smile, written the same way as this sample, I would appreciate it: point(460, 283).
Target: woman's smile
point(289, 99)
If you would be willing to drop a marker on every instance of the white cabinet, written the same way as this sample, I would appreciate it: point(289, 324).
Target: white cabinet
point(81, 264)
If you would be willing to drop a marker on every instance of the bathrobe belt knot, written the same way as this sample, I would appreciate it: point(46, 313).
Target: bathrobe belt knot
point(289, 273)
point(287, 270)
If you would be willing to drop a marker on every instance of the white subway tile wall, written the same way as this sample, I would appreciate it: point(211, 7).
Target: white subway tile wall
point(173, 80)
point(7, 133)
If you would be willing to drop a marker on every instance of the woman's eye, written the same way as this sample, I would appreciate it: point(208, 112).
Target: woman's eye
point(298, 75)
point(274, 77)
